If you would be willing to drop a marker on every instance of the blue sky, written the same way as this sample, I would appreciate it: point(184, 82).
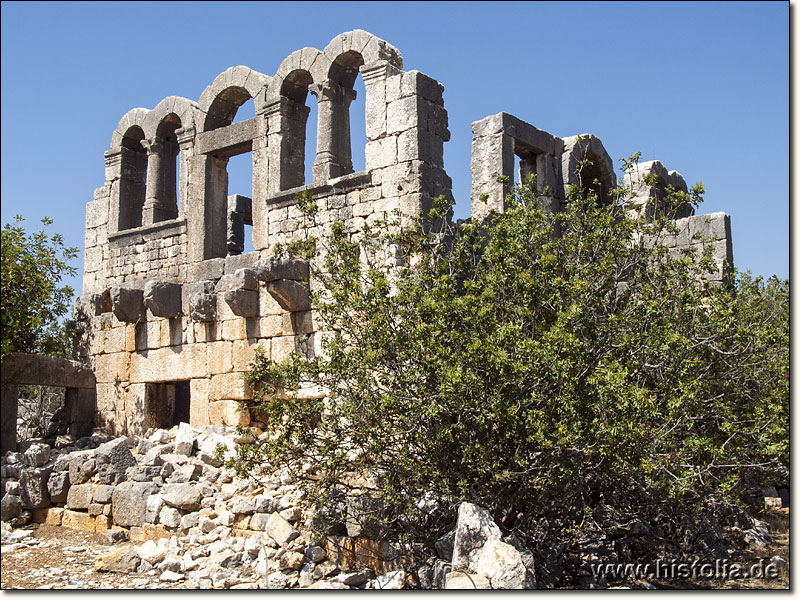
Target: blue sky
point(703, 87)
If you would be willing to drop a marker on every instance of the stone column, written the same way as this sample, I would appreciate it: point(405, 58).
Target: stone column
point(286, 142)
point(492, 155)
point(334, 157)
point(160, 203)
point(374, 76)
point(9, 396)
point(113, 160)
point(80, 406)
point(260, 181)
point(186, 137)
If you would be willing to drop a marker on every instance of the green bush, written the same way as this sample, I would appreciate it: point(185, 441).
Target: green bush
point(33, 303)
point(565, 371)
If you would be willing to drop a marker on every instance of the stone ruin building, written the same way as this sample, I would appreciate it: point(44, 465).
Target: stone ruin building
point(172, 309)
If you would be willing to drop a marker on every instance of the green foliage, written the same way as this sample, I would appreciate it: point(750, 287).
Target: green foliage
point(33, 303)
point(563, 370)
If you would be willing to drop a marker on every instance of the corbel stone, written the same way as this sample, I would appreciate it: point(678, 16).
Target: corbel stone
point(240, 279)
point(100, 303)
point(243, 303)
point(272, 269)
point(163, 298)
point(291, 295)
point(128, 304)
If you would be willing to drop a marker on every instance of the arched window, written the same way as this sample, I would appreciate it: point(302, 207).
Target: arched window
point(294, 93)
point(586, 163)
point(221, 140)
point(133, 179)
point(240, 191)
point(161, 203)
point(334, 96)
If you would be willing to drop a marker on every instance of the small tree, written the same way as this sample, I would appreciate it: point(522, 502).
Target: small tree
point(564, 370)
point(33, 305)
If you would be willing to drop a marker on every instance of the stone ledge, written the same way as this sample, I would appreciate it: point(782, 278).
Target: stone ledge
point(336, 185)
point(164, 228)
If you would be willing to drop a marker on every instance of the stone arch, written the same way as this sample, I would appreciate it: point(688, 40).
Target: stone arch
point(218, 106)
point(287, 98)
point(134, 117)
point(346, 54)
point(371, 48)
point(229, 90)
point(294, 67)
point(127, 173)
point(600, 167)
point(166, 182)
point(172, 107)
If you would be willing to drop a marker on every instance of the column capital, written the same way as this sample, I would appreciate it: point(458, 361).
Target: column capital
point(185, 135)
point(332, 91)
point(154, 145)
point(379, 69)
point(286, 107)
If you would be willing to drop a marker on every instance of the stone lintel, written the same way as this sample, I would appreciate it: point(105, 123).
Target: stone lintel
point(225, 142)
point(39, 369)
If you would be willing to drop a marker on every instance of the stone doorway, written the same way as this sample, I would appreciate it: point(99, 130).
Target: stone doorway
point(167, 404)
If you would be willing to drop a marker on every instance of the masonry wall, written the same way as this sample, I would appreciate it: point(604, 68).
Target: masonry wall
point(172, 311)
point(164, 299)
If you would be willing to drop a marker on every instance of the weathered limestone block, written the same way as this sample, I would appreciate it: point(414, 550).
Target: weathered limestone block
point(80, 496)
point(229, 386)
point(241, 279)
point(10, 507)
point(113, 459)
point(37, 454)
point(272, 269)
point(711, 227)
point(58, 486)
point(54, 516)
point(128, 304)
point(112, 367)
point(82, 466)
point(153, 506)
point(129, 502)
point(460, 580)
point(79, 521)
point(198, 411)
point(219, 357)
point(142, 473)
point(103, 494)
point(182, 495)
point(502, 564)
point(33, 485)
point(243, 303)
point(163, 298)
point(280, 530)
point(290, 294)
point(202, 306)
point(228, 413)
point(120, 560)
point(647, 183)
point(474, 528)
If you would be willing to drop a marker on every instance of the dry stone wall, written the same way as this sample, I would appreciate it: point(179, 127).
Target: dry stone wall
point(173, 309)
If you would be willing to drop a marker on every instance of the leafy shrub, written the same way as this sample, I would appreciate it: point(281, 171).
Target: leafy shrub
point(563, 370)
point(33, 304)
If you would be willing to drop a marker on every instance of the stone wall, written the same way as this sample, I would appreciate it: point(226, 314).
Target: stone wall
point(172, 310)
point(169, 300)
